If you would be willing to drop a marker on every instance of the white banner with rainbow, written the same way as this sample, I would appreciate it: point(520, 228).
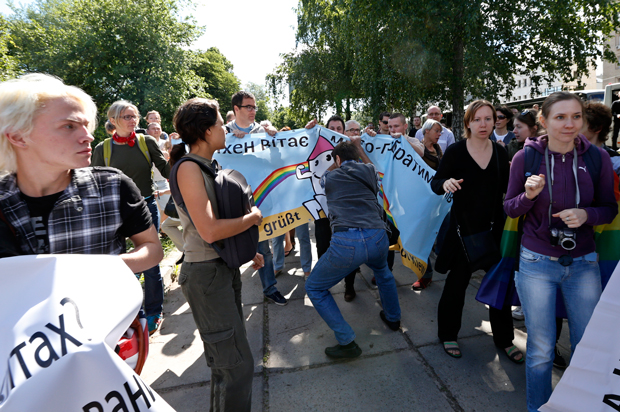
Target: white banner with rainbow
point(284, 172)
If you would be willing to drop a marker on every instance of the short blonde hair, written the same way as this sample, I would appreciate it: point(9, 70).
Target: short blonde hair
point(471, 112)
point(20, 101)
point(118, 107)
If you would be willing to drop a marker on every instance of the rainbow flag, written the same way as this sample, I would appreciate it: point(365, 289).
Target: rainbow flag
point(273, 180)
point(607, 239)
point(498, 283)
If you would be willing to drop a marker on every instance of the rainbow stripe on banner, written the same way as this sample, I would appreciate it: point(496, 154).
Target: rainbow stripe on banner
point(384, 200)
point(273, 180)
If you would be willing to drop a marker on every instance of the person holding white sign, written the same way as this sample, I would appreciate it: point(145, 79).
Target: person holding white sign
point(50, 199)
point(564, 194)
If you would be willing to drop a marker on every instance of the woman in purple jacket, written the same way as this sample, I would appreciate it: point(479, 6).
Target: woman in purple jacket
point(557, 249)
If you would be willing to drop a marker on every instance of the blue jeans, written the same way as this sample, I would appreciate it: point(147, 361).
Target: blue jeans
point(537, 281)
point(153, 282)
point(347, 251)
point(305, 248)
point(266, 273)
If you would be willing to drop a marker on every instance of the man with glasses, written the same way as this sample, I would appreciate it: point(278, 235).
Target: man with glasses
point(446, 138)
point(244, 105)
point(383, 123)
point(352, 128)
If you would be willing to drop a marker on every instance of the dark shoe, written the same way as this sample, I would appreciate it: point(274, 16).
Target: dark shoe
point(558, 361)
point(452, 349)
point(373, 281)
point(181, 259)
point(389, 323)
point(517, 314)
point(349, 293)
point(514, 354)
point(344, 351)
point(277, 298)
point(421, 284)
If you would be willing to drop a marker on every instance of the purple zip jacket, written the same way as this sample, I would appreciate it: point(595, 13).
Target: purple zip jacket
point(536, 235)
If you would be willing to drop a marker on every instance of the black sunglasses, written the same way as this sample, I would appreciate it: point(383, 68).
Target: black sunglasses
point(501, 117)
point(384, 121)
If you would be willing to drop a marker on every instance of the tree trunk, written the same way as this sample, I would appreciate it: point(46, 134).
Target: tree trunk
point(338, 107)
point(348, 109)
point(457, 90)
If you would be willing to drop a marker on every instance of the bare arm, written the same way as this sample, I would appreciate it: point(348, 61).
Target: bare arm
point(357, 141)
point(417, 145)
point(192, 187)
point(147, 252)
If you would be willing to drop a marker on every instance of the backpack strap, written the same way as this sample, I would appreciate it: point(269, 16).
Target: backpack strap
point(532, 161)
point(208, 175)
point(107, 149)
point(143, 147)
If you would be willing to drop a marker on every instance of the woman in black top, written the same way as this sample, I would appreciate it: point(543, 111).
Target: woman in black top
point(469, 170)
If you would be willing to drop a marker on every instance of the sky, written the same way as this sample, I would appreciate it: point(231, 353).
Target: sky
point(250, 33)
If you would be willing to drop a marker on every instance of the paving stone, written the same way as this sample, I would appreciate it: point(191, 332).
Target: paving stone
point(195, 398)
point(419, 313)
point(484, 379)
point(251, 289)
point(298, 336)
point(176, 353)
point(394, 382)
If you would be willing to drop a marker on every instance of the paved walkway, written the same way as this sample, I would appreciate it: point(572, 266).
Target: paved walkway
point(405, 370)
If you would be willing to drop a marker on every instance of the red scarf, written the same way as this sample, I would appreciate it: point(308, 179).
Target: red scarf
point(130, 140)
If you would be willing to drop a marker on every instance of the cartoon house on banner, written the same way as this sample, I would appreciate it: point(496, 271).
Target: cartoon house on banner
point(319, 161)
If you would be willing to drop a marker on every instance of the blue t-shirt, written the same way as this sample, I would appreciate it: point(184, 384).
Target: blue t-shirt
point(246, 129)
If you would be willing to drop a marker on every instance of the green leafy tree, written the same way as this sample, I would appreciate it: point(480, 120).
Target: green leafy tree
point(217, 73)
point(113, 49)
point(8, 64)
point(407, 55)
point(284, 116)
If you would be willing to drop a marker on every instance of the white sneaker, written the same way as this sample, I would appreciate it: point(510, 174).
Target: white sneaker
point(517, 314)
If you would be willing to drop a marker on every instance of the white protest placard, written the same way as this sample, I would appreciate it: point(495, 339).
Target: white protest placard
point(62, 316)
point(592, 381)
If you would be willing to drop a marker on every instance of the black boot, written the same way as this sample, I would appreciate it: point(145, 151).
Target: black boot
point(349, 292)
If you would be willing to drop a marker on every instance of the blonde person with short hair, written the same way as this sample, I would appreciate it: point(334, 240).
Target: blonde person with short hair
point(50, 196)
